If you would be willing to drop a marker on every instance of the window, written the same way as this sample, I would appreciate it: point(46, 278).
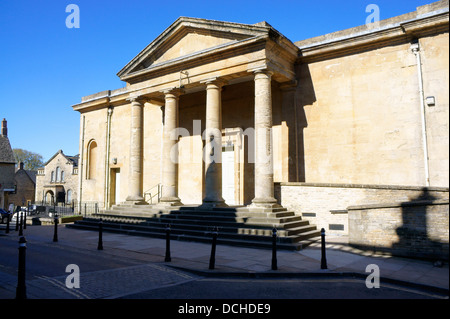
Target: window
point(91, 162)
point(62, 176)
point(58, 174)
point(52, 178)
point(69, 196)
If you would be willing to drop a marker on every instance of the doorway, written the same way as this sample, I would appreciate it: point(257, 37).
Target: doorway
point(114, 187)
point(228, 174)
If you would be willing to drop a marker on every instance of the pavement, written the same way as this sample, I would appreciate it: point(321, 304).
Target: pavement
point(342, 260)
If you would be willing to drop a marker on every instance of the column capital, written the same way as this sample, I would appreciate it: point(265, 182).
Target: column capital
point(138, 99)
point(219, 82)
point(262, 70)
point(172, 92)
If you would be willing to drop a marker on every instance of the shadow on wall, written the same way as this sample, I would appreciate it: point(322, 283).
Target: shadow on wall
point(306, 95)
point(419, 219)
point(415, 229)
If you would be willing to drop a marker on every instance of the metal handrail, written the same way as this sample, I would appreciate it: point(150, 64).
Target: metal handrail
point(155, 194)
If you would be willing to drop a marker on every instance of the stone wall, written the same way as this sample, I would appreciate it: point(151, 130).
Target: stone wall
point(26, 188)
point(359, 116)
point(325, 205)
point(411, 229)
point(6, 182)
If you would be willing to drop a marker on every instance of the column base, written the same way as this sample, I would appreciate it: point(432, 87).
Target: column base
point(135, 200)
point(165, 202)
point(213, 204)
point(264, 204)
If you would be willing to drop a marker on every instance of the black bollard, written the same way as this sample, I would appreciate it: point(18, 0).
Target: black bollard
point(212, 259)
point(17, 220)
point(20, 224)
point(323, 262)
point(100, 235)
point(7, 224)
point(21, 289)
point(168, 258)
point(25, 219)
point(274, 249)
point(55, 233)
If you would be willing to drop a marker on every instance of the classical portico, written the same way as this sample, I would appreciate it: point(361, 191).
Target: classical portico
point(198, 59)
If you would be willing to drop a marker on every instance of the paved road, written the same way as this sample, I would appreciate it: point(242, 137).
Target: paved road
point(246, 288)
point(101, 275)
point(104, 276)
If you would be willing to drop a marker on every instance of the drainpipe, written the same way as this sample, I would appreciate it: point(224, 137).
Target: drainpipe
point(81, 161)
point(108, 135)
point(415, 48)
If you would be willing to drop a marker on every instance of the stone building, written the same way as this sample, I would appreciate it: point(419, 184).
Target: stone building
point(7, 167)
point(57, 181)
point(218, 113)
point(25, 184)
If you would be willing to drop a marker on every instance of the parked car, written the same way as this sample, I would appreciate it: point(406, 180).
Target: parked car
point(5, 215)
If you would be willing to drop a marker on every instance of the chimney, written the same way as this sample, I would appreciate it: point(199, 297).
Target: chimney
point(4, 128)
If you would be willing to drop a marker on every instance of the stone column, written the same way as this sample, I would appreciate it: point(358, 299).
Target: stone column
point(213, 144)
point(136, 156)
point(170, 150)
point(264, 190)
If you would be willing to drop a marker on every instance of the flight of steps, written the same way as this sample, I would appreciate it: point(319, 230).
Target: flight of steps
point(236, 226)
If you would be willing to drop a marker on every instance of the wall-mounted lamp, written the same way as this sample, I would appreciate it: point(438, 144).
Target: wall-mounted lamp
point(114, 160)
point(430, 100)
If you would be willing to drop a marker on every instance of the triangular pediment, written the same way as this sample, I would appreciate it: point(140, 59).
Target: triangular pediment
point(187, 37)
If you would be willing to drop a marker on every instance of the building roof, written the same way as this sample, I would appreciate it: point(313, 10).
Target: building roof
point(428, 18)
point(230, 34)
point(72, 159)
point(31, 174)
point(6, 153)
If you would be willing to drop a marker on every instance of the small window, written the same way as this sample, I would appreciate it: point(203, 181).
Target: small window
point(62, 176)
point(52, 178)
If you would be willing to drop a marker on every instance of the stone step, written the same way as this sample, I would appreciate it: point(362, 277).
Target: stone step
point(150, 211)
point(196, 222)
point(208, 217)
point(230, 231)
point(190, 223)
point(298, 244)
point(211, 220)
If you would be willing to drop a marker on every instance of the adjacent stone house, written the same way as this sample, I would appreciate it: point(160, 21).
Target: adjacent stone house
point(57, 181)
point(7, 167)
point(25, 184)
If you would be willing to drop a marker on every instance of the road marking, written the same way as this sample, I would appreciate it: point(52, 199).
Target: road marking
point(59, 284)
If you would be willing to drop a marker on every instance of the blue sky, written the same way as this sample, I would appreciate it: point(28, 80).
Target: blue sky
point(46, 67)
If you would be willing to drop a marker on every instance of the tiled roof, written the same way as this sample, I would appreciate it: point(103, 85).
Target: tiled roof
point(6, 153)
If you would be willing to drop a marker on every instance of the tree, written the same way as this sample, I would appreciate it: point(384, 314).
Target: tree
point(31, 161)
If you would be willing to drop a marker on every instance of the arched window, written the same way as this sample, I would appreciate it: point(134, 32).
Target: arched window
point(91, 163)
point(52, 176)
point(58, 174)
point(62, 176)
point(69, 196)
